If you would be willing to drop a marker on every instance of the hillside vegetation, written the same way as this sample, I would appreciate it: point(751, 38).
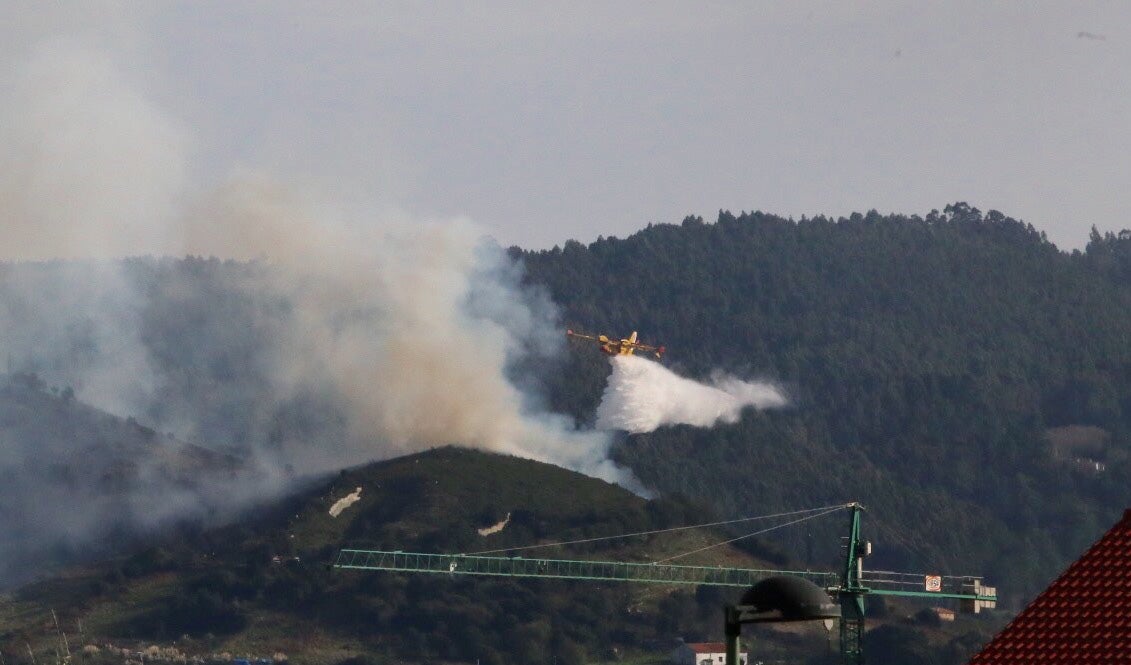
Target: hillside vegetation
point(958, 374)
point(262, 586)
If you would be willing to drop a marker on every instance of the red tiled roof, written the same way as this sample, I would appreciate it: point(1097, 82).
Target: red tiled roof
point(1083, 617)
point(708, 647)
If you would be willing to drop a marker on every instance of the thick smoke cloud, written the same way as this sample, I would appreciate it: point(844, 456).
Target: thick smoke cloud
point(411, 329)
point(401, 339)
point(336, 336)
point(407, 328)
point(643, 395)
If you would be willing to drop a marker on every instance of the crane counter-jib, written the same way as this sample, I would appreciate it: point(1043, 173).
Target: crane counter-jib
point(613, 571)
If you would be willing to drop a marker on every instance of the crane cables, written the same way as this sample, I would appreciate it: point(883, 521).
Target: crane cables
point(809, 513)
point(823, 511)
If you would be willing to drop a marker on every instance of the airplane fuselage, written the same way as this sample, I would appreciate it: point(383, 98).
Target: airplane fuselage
point(623, 347)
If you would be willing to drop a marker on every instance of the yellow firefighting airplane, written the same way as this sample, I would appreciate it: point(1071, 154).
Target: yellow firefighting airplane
point(619, 347)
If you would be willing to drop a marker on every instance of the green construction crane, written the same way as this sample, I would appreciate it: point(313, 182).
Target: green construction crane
point(849, 586)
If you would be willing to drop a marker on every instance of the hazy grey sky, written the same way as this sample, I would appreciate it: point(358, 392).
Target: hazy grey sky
point(550, 121)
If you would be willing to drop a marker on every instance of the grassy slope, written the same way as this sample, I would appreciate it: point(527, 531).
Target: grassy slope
point(433, 501)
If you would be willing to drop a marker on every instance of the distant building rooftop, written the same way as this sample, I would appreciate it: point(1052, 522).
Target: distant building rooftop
point(704, 653)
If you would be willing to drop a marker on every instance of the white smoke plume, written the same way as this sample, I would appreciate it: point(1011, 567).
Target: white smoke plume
point(411, 326)
point(643, 395)
point(408, 328)
point(337, 335)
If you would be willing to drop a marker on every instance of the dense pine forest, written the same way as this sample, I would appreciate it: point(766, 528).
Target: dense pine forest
point(958, 374)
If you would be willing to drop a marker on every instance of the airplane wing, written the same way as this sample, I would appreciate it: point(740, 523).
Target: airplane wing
point(658, 350)
point(570, 333)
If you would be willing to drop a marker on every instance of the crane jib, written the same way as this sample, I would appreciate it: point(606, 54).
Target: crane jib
point(460, 564)
point(614, 571)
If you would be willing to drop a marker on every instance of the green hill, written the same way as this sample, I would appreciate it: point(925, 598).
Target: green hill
point(963, 378)
point(940, 371)
point(262, 586)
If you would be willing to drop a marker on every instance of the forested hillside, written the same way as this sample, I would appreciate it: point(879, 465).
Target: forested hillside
point(958, 374)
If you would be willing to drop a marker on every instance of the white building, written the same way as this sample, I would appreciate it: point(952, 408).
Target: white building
point(704, 653)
